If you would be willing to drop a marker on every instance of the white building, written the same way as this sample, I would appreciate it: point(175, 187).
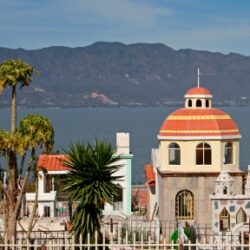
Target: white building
point(50, 205)
point(196, 144)
point(230, 210)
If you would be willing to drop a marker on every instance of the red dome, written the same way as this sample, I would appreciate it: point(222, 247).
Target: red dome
point(199, 122)
point(198, 91)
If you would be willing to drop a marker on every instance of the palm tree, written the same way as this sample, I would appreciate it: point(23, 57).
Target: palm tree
point(34, 131)
point(91, 182)
point(13, 72)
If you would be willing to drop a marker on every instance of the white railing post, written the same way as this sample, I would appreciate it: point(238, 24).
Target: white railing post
point(172, 245)
point(88, 244)
point(13, 243)
point(134, 240)
point(149, 242)
point(111, 240)
point(126, 238)
point(20, 242)
point(5, 242)
point(65, 242)
point(74, 240)
point(242, 240)
point(164, 242)
point(142, 241)
point(96, 240)
point(189, 245)
point(103, 239)
point(119, 236)
point(81, 241)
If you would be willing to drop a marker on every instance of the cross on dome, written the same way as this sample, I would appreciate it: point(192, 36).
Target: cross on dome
point(198, 78)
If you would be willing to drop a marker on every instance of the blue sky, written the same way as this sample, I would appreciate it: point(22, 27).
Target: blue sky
point(214, 25)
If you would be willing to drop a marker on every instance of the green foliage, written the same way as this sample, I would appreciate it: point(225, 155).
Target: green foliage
point(91, 182)
point(13, 72)
point(175, 234)
point(37, 130)
point(34, 131)
point(10, 142)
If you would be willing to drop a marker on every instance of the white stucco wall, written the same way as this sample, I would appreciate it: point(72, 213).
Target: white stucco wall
point(188, 156)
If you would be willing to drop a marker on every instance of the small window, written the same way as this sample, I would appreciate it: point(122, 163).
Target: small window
point(207, 103)
point(190, 103)
point(228, 157)
point(198, 103)
point(203, 154)
point(184, 205)
point(174, 154)
point(46, 211)
point(241, 216)
point(224, 220)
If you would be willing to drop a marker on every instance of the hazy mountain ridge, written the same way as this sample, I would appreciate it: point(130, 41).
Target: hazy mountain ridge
point(114, 74)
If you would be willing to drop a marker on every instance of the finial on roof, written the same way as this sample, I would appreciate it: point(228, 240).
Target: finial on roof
point(198, 78)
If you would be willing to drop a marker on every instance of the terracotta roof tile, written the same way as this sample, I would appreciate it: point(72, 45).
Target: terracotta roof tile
point(140, 196)
point(150, 175)
point(52, 162)
point(198, 91)
point(199, 122)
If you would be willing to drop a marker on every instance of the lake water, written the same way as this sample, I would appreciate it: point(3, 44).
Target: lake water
point(86, 124)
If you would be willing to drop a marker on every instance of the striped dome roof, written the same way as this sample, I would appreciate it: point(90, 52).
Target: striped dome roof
point(200, 122)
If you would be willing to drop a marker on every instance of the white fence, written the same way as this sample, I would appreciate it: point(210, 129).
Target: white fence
point(134, 246)
point(124, 243)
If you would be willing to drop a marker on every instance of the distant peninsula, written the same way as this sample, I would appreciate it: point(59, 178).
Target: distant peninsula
point(112, 74)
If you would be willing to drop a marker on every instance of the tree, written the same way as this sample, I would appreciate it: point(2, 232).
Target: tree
point(38, 131)
point(13, 72)
point(91, 182)
point(34, 131)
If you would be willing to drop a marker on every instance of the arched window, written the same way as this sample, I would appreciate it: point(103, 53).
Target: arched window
point(224, 220)
point(207, 103)
point(228, 155)
point(203, 154)
point(241, 216)
point(198, 103)
point(184, 205)
point(174, 154)
point(189, 103)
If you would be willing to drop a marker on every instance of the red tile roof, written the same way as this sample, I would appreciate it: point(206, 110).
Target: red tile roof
point(150, 175)
point(52, 162)
point(199, 122)
point(198, 91)
point(140, 196)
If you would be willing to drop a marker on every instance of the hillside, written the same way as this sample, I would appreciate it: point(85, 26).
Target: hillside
point(115, 74)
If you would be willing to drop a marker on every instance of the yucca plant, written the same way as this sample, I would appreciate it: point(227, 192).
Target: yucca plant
point(92, 183)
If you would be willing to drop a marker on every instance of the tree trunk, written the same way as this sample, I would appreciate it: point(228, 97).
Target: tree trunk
point(12, 183)
point(11, 197)
point(32, 216)
point(11, 230)
point(13, 109)
point(26, 177)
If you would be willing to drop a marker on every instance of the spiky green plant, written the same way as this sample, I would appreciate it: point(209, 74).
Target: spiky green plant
point(91, 182)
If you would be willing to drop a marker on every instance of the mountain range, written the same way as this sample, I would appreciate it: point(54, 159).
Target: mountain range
point(115, 74)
